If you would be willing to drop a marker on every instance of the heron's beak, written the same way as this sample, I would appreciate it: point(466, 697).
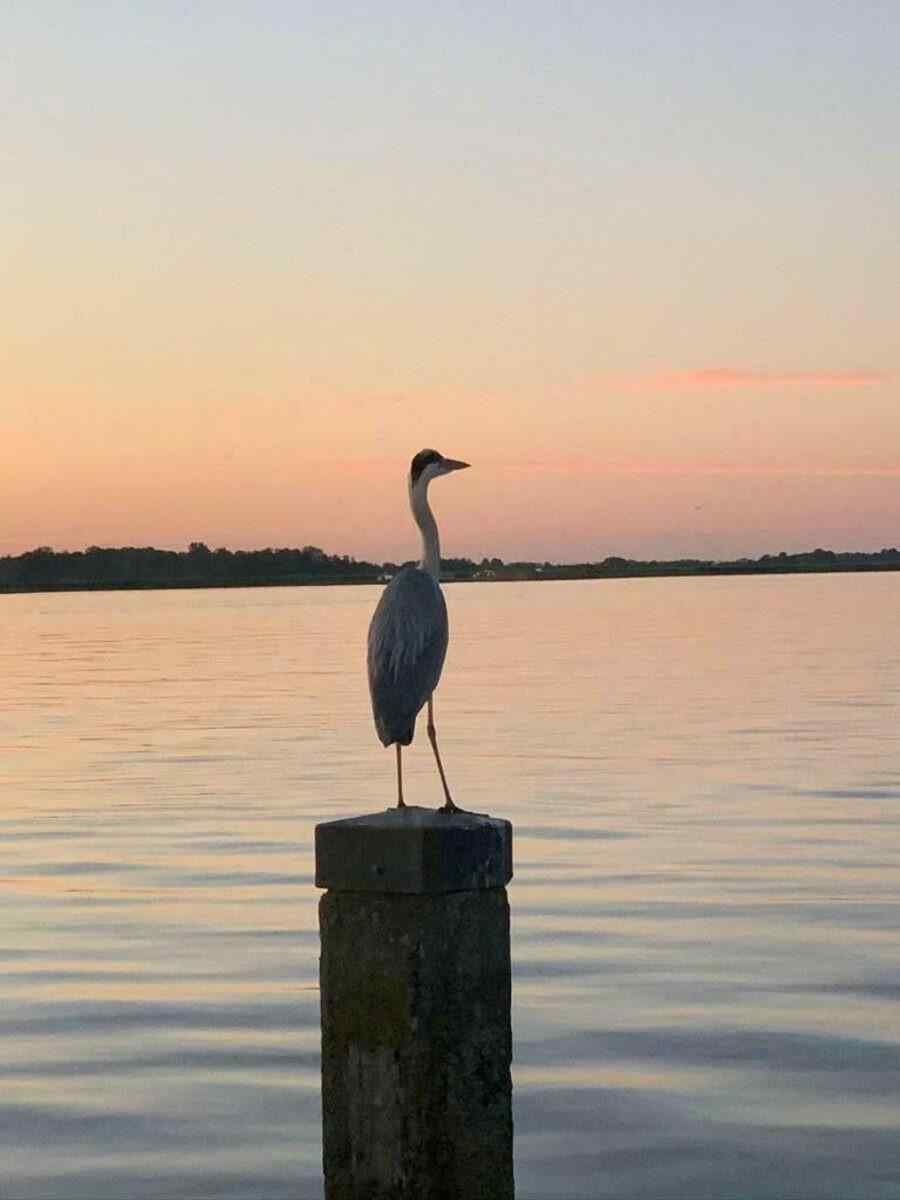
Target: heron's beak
point(453, 464)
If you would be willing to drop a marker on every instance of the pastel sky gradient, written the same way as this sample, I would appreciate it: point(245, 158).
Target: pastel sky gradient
point(637, 262)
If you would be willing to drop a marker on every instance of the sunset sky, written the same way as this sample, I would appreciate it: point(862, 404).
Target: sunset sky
point(639, 263)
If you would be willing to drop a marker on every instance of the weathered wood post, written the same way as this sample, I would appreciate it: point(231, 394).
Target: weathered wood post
point(415, 987)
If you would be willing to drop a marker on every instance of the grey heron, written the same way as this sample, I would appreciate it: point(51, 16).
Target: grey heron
point(409, 632)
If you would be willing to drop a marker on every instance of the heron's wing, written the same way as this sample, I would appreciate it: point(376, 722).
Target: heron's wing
point(407, 645)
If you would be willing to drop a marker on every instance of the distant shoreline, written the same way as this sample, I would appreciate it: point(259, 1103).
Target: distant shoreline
point(342, 572)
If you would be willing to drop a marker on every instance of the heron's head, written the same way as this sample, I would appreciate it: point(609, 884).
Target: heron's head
point(427, 465)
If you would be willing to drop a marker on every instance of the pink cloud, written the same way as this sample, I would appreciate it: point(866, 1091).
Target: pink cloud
point(594, 467)
point(738, 377)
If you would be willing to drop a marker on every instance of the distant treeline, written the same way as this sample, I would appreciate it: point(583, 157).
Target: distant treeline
point(44, 570)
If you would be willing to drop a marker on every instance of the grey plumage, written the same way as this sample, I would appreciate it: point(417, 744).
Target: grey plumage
point(409, 631)
point(407, 645)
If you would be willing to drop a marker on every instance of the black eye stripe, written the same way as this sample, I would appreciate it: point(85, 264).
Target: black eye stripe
point(423, 459)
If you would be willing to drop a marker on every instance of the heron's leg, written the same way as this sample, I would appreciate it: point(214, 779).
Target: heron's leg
point(449, 806)
point(400, 801)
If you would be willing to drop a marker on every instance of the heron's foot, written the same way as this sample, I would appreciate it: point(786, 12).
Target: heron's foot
point(401, 803)
point(450, 807)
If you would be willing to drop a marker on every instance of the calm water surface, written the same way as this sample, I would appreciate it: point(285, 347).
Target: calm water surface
point(704, 777)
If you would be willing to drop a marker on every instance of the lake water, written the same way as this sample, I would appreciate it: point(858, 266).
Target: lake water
point(704, 779)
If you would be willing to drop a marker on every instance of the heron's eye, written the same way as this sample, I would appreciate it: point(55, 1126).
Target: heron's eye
point(422, 460)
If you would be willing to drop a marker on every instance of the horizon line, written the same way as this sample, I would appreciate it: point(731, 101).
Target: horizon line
point(186, 550)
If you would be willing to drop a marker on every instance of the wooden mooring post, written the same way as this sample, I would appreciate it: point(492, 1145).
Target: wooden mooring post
point(415, 992)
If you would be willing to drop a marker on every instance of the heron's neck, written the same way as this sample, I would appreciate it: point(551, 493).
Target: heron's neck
point(424, 518)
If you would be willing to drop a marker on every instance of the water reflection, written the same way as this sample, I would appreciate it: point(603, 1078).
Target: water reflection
point(703, 775)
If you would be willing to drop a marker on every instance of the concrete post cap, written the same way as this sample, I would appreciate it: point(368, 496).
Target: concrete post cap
point(415, 851)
